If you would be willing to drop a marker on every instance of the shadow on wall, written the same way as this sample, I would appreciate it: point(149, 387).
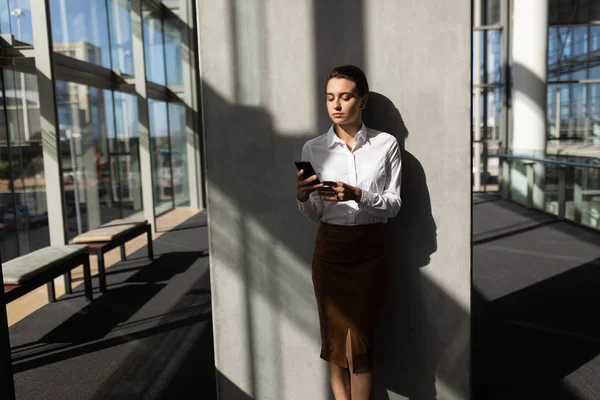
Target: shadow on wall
point(251, 236)
point(332, 49)
point(405, 356)
point(260, 237)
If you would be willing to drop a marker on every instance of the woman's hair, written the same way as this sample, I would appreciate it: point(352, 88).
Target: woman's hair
point(354, 74)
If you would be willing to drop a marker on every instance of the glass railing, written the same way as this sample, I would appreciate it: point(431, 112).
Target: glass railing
point(565, 186)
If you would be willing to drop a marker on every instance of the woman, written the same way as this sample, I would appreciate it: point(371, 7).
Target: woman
point(359, 169)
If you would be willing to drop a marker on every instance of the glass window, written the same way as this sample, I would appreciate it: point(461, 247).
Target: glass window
point(177, 132)
point(580, 40)
point(594, 48)
point(490, 113)
point(594, 111)
point(478, 43)
point(124, 155)
point(563, 98)
point(553, 46)
point(576, 106)
point(573, 107)
point(578, 102)
point(23, 212)
point(580, 54)
point(79, 30)
point(564, 53)
point(551, 107)
point(15, 18)
point(161, 156)
point(494, 114)
point(494, 61)
point(174, 56)
point(490, 55)
point(84, 130)
point(570, 54)
point(154, 48)
point(488, 101)
point(554, 53)
point(119, 12)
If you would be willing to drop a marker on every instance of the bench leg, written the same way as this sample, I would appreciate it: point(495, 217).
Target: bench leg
point(123, 255)
point(68, 283)
point(51, 292)
point(87, 280)
point(101, 272)
point(150, 244)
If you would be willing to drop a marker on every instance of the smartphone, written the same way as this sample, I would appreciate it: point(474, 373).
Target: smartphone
point(308, 170)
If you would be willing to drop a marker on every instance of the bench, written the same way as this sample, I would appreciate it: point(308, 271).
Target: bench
point(26, 273)
point(112, 235)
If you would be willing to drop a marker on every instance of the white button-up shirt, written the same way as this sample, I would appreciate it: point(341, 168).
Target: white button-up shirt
point(374, 165)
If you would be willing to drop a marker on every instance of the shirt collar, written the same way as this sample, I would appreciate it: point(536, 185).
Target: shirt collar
point(332, 138)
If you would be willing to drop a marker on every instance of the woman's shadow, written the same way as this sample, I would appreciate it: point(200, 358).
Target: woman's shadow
point(405, 342)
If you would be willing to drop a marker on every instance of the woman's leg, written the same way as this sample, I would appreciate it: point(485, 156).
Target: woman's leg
point(340, 382)
point(361, 384)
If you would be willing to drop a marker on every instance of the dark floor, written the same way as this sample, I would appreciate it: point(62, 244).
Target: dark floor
point(149, 337)
point(536, 329)
point(536, 302)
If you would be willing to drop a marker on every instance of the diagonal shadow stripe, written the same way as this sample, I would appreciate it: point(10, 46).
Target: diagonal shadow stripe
point(68, 351)
point(513, 232)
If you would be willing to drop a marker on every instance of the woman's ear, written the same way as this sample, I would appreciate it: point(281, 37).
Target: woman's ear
point(363, 101)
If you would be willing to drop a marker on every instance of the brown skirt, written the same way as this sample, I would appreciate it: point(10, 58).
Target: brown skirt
point(349, 277)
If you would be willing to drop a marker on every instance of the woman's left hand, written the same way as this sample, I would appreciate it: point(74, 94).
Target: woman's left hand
point(339, 191)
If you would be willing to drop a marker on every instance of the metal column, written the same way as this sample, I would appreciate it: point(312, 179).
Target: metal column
point(506, 95)
point(477, 142)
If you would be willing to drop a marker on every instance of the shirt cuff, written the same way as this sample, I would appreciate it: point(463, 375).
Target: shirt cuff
point(304, 204)
point(367, 198)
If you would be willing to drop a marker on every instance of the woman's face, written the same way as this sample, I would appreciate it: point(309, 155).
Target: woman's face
point(344, 104)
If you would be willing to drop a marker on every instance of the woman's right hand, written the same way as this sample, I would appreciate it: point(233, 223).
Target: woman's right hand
point(305, 186)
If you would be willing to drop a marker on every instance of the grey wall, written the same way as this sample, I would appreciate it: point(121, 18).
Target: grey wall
point(263, 65)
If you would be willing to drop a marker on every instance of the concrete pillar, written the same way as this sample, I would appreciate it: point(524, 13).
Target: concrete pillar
point(53, 171)
point(266, 328)
point(141, 89)
point(529, 56)
point(530, 63)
